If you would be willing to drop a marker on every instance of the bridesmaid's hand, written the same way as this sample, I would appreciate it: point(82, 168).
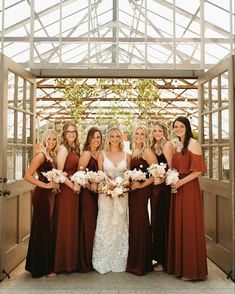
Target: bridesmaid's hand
point(52, 185)
point(94, 187)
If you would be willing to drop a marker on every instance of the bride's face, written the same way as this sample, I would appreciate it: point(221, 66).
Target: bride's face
point(115, 138)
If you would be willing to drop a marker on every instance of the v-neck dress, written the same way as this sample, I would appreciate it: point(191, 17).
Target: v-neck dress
point(111, 237)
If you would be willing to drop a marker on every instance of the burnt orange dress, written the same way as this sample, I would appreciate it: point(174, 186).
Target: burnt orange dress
point(88, 217)
point(67, 205)
point(186, 247)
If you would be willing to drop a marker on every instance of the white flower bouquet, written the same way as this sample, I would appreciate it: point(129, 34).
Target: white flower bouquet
point(136, 175)
point(80, 178)
point(172, 176)
point(96, 177)
point(55, 175)
point(157, 170)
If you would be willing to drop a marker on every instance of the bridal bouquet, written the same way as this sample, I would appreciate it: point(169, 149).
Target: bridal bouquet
point(80, 178)
point(157, 170)
point(113, 188)
point(172, 176)
point(55, 175)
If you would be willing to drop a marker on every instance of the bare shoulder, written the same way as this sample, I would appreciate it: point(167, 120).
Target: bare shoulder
point(195, 147)
point(148, 152)
point(39, 157)
point(168, 146)
point(62, 150)
point(86, 154)
point(100, 155)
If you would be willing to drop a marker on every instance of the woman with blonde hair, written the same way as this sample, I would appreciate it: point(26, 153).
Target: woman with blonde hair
point(139, 256)
point(39, 260)
point(160, 197)
point(67, 205)
point(111, 236)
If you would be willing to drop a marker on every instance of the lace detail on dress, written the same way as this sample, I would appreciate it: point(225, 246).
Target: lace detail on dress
point(111, 237)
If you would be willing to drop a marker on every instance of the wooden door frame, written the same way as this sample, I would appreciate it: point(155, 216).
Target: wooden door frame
point(17, 187)
point(225, 65)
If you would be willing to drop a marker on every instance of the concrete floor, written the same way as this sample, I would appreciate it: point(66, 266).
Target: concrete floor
point(115, 283)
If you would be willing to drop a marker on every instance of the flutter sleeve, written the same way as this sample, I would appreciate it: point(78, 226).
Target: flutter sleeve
point(197, 163)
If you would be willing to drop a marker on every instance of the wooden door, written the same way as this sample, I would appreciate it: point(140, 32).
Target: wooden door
point(216, 123)
point(17, 132)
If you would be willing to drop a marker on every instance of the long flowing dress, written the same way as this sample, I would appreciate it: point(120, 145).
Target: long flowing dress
point(140, 237)
point(40, 257)
point(160, 207)
point(111, 236)
point(187, 249)
point(88, 217)
point(67, 205)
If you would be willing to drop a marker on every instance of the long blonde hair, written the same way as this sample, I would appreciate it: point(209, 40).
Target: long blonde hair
point(156, 146)
point(136, 151)
point(50, 155)
point(107, 141)
point(76, 147)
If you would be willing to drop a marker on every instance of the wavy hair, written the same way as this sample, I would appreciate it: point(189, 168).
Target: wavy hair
point(49, 154)
point(136, 151)
point(188, 133)
point(107, 141)
point(157, 146)
point(89, 137)
point(76, 146)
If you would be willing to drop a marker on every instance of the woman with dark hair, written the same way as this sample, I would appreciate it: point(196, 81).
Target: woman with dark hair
point(160, 198)
point(88, 200)
point(187, 249)
point(39, 260)
point(67, 205)
point(140, 238)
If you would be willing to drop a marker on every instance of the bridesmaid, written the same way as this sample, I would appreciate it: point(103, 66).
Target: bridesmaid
point(88, 200)
point(139, 257)
point(160, 198)
point(39, 260)
point(187, 249)
point(66, 252)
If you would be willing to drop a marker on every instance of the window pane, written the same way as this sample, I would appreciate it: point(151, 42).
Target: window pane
point(215, 131)
point(225, 125)
point(28, 134)
point(225, 163)
point(19, 164)
point(214, 93)
point(10, 164)
point(11, 88)
point(28, 90)
point(206, 129)
point(206, 97)
point(224, 89)
point(20, 127)
point(10, 125)
point(20, 92)
point(207, 162)
point(215, 163)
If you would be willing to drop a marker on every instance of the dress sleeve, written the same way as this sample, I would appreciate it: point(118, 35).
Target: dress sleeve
point(197, 163)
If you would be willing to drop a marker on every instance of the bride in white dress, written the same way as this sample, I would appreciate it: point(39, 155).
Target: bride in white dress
point(110, 248)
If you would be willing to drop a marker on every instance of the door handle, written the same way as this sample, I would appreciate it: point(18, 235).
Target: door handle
point(6, 192)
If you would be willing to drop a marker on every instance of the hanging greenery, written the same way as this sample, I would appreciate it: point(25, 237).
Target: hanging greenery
point(130, 99)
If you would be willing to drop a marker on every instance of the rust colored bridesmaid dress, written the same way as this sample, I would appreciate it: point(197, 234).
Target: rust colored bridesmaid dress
point(67, 205)
point(88, 216)
point(187, 249)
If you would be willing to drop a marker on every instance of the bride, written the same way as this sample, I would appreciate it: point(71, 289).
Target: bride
point(111, 237)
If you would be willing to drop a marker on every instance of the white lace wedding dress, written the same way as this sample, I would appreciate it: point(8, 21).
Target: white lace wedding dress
point(111, 237)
